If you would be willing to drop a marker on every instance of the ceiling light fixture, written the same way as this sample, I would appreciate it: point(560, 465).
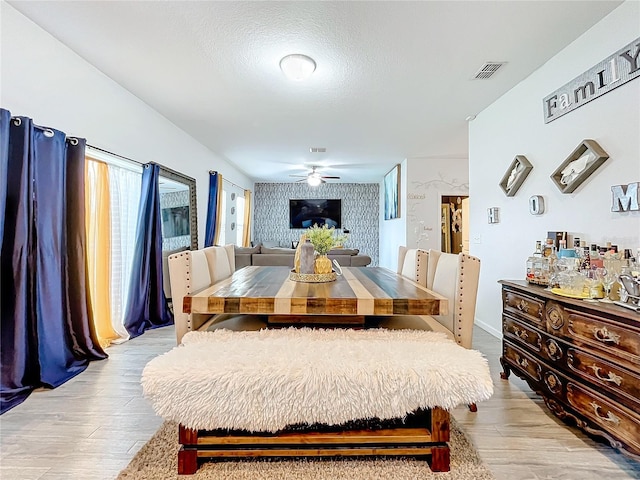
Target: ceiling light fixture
point(314, 179)
point(297, 67)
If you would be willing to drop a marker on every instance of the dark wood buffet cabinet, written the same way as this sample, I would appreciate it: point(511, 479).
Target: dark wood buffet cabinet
point(583, 358)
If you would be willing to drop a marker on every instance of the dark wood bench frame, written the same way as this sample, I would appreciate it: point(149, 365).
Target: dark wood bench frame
point(428, 440)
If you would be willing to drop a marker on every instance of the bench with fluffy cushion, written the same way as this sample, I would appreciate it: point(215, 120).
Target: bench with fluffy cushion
point(253, 393)
point(264, 381)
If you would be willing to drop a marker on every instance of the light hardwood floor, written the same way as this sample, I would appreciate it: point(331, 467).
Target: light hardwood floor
point(90, 427)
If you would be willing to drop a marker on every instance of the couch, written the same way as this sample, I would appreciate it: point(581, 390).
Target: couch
point(278, 256)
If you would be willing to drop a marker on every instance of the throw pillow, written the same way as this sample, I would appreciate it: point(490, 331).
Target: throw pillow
point(268, 251)
point(344, 251)
point(249, 250)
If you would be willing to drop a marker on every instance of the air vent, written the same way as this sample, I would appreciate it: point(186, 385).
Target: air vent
point(488, 70)
point(317, 149)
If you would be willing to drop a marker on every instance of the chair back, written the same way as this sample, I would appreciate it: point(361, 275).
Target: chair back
point(190, 271)
point(412, 263)
point(456, 277)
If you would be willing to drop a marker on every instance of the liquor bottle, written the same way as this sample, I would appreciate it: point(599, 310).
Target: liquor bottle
point(534, 262)
point(548, 267)
point(547, 247)
point(586, 260)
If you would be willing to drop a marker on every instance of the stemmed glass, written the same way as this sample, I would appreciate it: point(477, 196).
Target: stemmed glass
point(608, 280)
point(593, 279)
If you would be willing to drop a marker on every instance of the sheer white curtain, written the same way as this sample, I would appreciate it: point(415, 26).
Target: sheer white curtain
point(125, 187)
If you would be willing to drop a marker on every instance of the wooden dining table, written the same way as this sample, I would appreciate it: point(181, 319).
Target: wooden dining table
point(357, 293)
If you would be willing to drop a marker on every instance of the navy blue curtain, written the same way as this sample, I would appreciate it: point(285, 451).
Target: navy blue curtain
point(215, 190)
point(147, 306)
point(47, 329)
point(5, 119)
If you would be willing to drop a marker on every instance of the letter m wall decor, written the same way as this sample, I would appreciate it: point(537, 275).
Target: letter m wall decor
point(610, 73)
point(625, 198)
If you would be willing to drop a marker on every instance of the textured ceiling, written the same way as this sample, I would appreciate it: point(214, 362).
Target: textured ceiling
point(394, 80)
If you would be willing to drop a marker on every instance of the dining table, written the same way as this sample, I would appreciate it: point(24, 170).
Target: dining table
point(356, 293)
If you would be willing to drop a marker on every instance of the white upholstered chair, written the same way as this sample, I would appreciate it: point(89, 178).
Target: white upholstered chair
point(193, 270)
point(412, 263)
point(454, 276)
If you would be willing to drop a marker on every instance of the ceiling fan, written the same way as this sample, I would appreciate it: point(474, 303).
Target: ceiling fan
point(314, 178)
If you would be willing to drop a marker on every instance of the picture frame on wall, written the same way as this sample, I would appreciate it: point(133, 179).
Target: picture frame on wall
point(515, 175)
point(392, 193)
point(579, 165)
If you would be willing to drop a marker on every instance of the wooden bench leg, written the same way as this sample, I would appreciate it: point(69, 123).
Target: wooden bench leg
point(187, 461)
point(440, 460)
point(188, 453)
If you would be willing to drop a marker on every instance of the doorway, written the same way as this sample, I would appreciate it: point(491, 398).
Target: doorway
point(454, 215)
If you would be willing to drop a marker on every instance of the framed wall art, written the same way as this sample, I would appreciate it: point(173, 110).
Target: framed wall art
point(515, 175)
point(392, 194)
point(578, 166)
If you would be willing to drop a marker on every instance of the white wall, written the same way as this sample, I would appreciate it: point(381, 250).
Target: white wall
point(514, 125)
point(423, 183)
point(393, 232)
point(43, 79)
point(428, 181)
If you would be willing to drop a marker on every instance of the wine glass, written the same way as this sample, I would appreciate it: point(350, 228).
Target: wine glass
point(593, 279)
point(608, 280)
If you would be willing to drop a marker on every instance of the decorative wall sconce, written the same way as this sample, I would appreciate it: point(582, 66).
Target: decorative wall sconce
point(536, 205)
point(515, 175)
point(578, 166)
point(493, 214)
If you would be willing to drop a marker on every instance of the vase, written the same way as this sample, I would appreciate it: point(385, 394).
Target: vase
point(323, 264)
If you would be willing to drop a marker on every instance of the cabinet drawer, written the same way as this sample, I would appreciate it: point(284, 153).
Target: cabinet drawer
point(523, 361)
point(529, 309)
point(605, 374)
point(522, 333)
point(616, 420)
point(614, 339)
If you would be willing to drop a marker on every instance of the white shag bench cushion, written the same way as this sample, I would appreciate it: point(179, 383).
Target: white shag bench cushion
point(264, 381)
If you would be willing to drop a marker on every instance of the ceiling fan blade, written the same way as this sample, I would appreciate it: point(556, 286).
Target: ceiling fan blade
point(299, 176)
point(325, 176)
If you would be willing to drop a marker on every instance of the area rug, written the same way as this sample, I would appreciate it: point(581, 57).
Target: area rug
point(158, 460)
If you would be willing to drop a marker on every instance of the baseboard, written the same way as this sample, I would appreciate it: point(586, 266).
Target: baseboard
point(489, 329)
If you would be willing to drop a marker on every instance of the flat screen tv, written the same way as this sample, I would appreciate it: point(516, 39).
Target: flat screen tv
point(308, 212)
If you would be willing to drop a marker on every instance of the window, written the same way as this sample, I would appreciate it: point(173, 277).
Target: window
point(223, 219)
point(239, 220)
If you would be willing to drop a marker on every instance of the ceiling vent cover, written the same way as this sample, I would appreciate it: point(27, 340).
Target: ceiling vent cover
point(488, 70)
point(318, 149)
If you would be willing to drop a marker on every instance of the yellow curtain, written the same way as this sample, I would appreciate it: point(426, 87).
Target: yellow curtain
point(218, 209)
point(99, 248)
point(246, 234)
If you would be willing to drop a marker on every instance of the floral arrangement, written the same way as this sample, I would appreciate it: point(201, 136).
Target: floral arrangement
point(324, 238)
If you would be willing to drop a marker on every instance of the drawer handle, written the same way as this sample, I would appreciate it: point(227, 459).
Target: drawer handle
point(520, 333)
point(610, 416)
point(604, 335)
point(523, 362)
point(612, 377)
point(522, 306)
